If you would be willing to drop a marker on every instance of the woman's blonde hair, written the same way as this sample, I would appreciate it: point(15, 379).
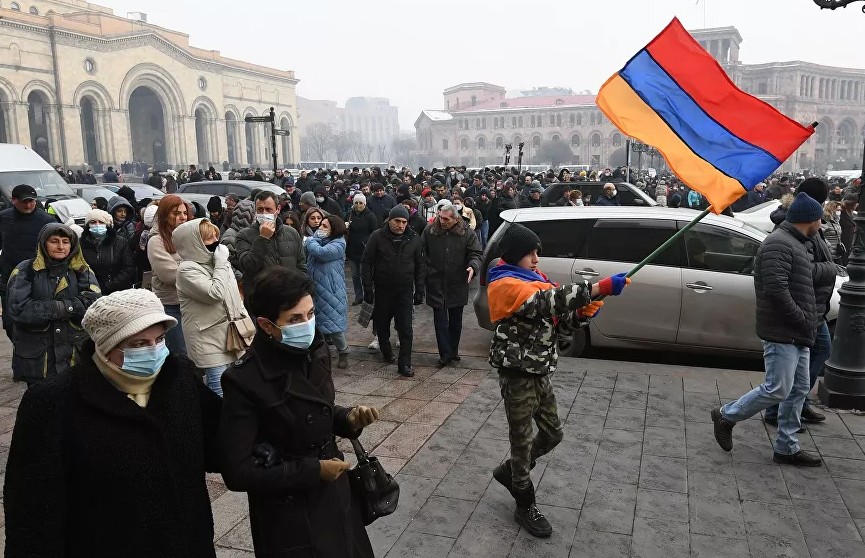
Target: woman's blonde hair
point(829, 210)
point(206, 226)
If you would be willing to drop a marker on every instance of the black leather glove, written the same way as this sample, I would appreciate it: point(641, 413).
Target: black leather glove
point(369, 298)
point(265, 455)
point(418, 298)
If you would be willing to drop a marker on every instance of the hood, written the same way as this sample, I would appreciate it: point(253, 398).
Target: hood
point(75, 259)
point(243, 215)
point(187, 241)
point(120, 201)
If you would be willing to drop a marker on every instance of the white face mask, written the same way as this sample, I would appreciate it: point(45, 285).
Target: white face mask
point(264, 218)
point(458, 206)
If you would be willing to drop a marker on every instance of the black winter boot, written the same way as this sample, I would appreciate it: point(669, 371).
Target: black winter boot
point(503, 474)
point(529, 516)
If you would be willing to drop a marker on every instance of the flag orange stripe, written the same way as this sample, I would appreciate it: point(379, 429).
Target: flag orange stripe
point(637, 119)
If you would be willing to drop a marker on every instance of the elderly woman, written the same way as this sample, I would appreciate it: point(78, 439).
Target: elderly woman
point(47, 298)
point(164, 259)
point(110, 459)
point(311, 221)
point(325, 264)
point(281, 393)
point(209, 298)
point(107, 253)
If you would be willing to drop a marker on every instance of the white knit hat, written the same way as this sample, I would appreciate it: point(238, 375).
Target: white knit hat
point(122, 314)
point(359, 198)
point(99, 215)
point(149, 215)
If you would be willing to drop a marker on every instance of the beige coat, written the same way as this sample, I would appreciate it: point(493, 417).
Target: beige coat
point(209, 298)
point(164, 266)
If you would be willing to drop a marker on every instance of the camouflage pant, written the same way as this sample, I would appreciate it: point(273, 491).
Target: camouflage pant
point(525, 399)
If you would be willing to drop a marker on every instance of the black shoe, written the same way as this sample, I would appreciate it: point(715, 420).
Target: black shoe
point(390, 359)
point(800, 459)
point(533, 521)
point(810, 415)
point(723, 430)
point(442, 362)
point(456, 358)
point(407, 372)
point(357, 302)
point(774, 422)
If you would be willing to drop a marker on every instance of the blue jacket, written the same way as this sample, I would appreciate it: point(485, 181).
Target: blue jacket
point(325, 265)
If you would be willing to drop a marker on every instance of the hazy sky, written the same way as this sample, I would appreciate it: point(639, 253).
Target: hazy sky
point(410, 50)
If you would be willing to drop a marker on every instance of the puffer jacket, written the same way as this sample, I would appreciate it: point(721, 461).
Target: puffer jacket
point(110, 259)
point(209, 298)
point(125, 228)
point(448, 254)
point(46, 301)
point(825, 272)
point(242, 216)
point(784, 284)
point(253, 253)
point(325, 264)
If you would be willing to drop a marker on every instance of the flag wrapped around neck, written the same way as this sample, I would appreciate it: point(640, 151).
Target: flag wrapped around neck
point(716, 138)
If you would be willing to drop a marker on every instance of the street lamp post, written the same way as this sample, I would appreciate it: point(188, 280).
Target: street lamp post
point(843, 384)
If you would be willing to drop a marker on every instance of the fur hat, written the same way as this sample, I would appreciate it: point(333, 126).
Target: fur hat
point(122, 314)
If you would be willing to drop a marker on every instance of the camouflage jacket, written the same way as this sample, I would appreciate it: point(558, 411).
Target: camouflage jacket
point(528, 339)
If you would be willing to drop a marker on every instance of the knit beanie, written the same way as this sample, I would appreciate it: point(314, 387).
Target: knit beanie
point(804, 209)
point(99, 215)
point(244, 215)
point(309, 199)
point(150, 215)
point(214, 204)
point(122, 314)
point(359, 198)
point(816, 188)
point(517, 242)
point(398, 212)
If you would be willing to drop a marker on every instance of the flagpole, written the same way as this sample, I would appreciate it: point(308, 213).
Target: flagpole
point(660, 250)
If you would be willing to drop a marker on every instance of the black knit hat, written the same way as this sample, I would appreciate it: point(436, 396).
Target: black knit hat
point(816, 188)
point(214, 204)
point(517, 242)
point(804, 209)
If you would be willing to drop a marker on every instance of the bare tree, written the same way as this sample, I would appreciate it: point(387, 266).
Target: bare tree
point(320, 138)
point(403, 147)
point(343, 143)
point(358, 148)
point(367, 152)
point(382, 152)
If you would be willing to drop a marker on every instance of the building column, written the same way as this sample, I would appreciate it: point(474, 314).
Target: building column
point(10, 118)
point(74, 140)
point(221, 143)
point(53, 134)
point(117, 122)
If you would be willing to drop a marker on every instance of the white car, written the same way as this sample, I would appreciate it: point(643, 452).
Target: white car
point(758, 216)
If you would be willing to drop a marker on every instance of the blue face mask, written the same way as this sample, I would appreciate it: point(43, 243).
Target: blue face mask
point(144, 362)
point(98, 230)
point(321, 234)
point(298, 336)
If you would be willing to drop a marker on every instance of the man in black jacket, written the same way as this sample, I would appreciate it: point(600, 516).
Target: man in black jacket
point(787, 318)
point(361, 224)
point(502, 203)
point(393, 267)
point(19, 235)
point(380, 203)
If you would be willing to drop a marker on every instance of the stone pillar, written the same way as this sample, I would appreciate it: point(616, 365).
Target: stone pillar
point(53, 135)
point(10, 119)
point(74, 138)
point(117, 122)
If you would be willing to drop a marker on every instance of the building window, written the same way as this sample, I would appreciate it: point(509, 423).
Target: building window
point(460, 122)
point(482, 142)
point(573, 119)
point(556, 137)
point(533, 121)
point(596, 139)
point(478, 123)
point(617, 139)
point(34, 10)
point(464, 143)
point(559, 120)
point(592, 119)
point(484, 123)
point(89, 65)
point(575, 140)
point(500, 143)
point(579, 119)
point(504, 105)
point(513, 121)
point(15, 7)
point(536, 142)
point(474, 100)
point(763, 88)
point(202, 83)
point(444, 145)
point(521, 121)
point(559, 102)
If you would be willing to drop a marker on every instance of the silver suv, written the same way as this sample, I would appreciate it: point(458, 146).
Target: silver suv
point(697, 296)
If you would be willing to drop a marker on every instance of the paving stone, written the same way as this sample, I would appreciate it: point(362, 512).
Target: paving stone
point(413, 544)
point(473, 377)
point(564, 522)
point(833, 426)
point(664, 473)
point(413, 492)
point(588, 427)
point(826, 520)
point(395, 388)
point(7, 419)
point(592, 401)
point(715, 516)
point(240, 536)
point(442, 516)
point(595, 379)
point(707, 546)
point(484, 453)
point(828, 548)
point(657, 504)
point(629, 398)
point(699, 405)
point(229, 510)
point(609, 507)
point(562, 488)
point(626, 419)
point(838, 447)
point(810, 483)
point(364, 386)
point(665, 419)
point(433, 413)
point(665, 442)
point(618, 458)
point(589, 543)
point(400, 409)
point(484, 540)
point(456, 393)
point(659, 538)
point(762, 518)
point(405, 440)
point(495, 427)
point(845, 468)
point(713, 485)
point(853, 493)
point(466, 482)
point(763, 483)
point(854, 423)
point(375, 433)
point(764, 546)
point(426, 391)
point(632, 382)
point(700, 385)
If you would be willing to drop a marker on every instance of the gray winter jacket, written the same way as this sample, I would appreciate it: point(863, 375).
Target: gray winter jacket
point(253, 253)
point(784, 284)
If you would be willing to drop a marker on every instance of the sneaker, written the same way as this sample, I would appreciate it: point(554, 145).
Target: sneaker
point(800, 459)
point(373, 346)
point(810, 415)
point(343, 360)
point(533, 521)
point(723, 430)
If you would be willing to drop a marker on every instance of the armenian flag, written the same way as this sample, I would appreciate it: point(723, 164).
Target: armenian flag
point(719, 140)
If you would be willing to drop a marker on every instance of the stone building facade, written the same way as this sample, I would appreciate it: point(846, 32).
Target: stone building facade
point(477, 120)
point(83, 86)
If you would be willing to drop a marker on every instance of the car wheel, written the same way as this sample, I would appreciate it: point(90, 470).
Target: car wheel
point(573, 342)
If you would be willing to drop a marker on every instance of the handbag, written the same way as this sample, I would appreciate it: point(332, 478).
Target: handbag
point(241, 332)
point(373, 490)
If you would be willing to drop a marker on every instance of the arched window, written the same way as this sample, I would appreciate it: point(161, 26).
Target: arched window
point(482, 142)
point(536, 142)
point(34, 10)
point(460, 124)
point(592, 119)
point(464, 143)
point(533, 121)
point(556, 137)
point(573, 119)
point(558, 120)
point(575, 140)
point(500, 143)
point(617, 139)
point(520, 121)
point(596, 139)
point(14, 6)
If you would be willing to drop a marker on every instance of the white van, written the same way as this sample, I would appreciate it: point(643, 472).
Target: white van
point(21, 165)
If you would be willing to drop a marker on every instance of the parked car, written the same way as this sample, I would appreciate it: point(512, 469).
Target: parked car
point(89, 192)
point(142, 191)
point(758, 216)
point(221, 188)
point(697, 296)
point(629, 195)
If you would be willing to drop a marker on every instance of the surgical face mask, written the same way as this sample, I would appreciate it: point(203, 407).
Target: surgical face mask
point(264, 218)
point(298, 336)
point(319, 199)
point(98, 230)
point(144, 362)
point(458, 206)
point(321, 234)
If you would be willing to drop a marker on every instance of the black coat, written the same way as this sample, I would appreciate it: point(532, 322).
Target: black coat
point(110, 259)
point(91, 473)
point(19, 233)
point(362, 226)
point(848, 228)
point(285, 397)
point(501, 203)
point(448, 254)
point(784, 285)
point(380, 206)
point(393, 263)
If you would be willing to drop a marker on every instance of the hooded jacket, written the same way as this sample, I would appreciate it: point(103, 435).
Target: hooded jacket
point(361, 226)
point(46, 301)
point(125, 228)
point(325, 264)
point(110, 259)
point(253, 253)
point(209, 298)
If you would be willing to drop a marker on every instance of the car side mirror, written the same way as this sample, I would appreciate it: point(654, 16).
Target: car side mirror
point(639, 201)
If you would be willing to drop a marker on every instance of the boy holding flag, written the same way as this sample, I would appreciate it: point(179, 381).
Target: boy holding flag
point(527, 307)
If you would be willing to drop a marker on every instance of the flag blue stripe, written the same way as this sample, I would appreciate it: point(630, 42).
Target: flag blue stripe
point(712, 142)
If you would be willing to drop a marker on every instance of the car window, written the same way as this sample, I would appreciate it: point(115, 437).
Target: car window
point(563, 238)
point(215, 189)
point(626, 196)
point(718, 249)
point(631, 240)
point(590, 192)
point(241, 190)
point(194, 188)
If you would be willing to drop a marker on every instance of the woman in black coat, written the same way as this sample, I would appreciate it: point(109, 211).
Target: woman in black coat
point(278, 425)
point(109, 459)
point(107, 253)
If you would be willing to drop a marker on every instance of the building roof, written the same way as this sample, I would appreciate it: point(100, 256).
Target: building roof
point(437, 115)
point(474, 85)
point(531, 102)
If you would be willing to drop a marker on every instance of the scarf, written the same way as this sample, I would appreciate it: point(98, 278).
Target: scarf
point(135, 387)
point(510, 286)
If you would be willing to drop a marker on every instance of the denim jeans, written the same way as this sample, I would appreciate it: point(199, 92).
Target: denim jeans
point(174, 339)
point(820, 353)
point(485, 233)
point(355, 279)
point(212, 377)
point(339, 341)
point(448, 323)
point(786, 383)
